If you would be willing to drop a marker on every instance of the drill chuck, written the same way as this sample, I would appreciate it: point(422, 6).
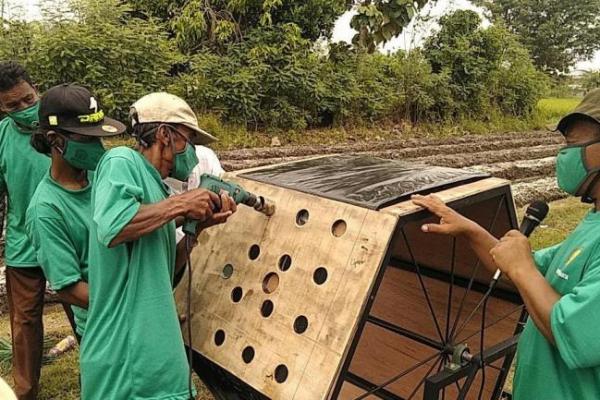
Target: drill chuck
point(260, 204)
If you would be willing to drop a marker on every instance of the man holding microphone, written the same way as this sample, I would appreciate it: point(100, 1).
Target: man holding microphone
point(558, 356)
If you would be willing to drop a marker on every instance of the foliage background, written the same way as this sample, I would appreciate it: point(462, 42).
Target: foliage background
point(269, 64)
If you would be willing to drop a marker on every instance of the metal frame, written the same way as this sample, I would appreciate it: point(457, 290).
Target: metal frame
point(434, 385)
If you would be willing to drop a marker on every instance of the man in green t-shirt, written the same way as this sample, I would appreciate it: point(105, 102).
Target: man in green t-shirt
point(21, 169)
point(132, 347)
point(558, 356)
point(59, 214)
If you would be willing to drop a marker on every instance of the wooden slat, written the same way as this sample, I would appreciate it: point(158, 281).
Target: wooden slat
point(449, 195)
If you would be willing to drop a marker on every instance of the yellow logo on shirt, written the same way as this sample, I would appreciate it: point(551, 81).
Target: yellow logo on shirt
point(573, 256)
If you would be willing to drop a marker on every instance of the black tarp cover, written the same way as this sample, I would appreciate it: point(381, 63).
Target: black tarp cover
point(364, 181)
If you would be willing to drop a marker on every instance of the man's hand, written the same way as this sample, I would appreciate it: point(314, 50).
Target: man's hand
point(512, 255)
point(200, 204)
point(451, 222)
point(228, 207)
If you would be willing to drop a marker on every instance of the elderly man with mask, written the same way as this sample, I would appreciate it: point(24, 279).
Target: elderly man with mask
point(132, 347)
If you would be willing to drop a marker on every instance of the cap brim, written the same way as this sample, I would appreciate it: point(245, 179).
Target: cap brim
point(108, 127)
point(562, 124)
point(201, 137)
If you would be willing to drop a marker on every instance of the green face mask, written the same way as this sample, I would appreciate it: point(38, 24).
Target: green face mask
point(83, 155)
point(571, 169)
point(26, 119)
point(184, 162)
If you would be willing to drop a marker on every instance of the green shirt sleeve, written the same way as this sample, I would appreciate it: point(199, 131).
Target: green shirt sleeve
point(117, 197)
point(543, 258)
point(574, 322)
point(55, 251)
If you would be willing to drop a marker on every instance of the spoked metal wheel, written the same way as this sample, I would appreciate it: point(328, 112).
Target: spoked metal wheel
point(431, 332)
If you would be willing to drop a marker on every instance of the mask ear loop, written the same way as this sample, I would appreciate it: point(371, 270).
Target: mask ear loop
point(586, 198)
point(172, 132)
point(133, 114)
point(52, 144)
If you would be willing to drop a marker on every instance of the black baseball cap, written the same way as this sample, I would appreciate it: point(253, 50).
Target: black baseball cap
point(73, 108)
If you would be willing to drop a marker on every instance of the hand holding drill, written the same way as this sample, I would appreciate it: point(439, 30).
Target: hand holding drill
point(217, 200)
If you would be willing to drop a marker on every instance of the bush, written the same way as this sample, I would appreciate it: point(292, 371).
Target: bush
point(277, 76)
point(488, 69)
point(268, 80)
point(120, 59)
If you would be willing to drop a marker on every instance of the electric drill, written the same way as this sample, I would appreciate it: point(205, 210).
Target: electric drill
point(238, 193)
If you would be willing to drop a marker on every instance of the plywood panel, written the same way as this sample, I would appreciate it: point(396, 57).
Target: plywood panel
point(332, 309)
point(382, 354)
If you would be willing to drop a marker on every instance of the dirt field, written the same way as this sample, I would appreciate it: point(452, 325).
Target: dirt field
point(527, 159)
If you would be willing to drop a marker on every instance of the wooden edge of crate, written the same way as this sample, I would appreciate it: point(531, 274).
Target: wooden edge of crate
point(448, 195)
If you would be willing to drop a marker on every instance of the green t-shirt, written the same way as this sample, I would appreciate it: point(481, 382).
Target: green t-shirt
point(21, 169)
point(571, 369)
point(133, 346)
point(58, 222)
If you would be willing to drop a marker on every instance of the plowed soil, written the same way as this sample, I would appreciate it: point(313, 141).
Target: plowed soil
point(527, 159)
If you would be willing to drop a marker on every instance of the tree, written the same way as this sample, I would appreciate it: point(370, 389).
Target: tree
point(120, 59)
point(378, 21)
point(590, 80)
point(488, 68)
point(201, 23)
point(197, 24)
point(557, 33)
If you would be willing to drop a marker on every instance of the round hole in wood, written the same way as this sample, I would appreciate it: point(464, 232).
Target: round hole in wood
point(267, 308)
point(248, 354)
point(339, 228)
point(219, 337)
point(270, 283)
point(254, 252)
point(302, 217)
point(285, 262)
point(281, 373)
point(320, 276)
point(227, 271)
point(301, 324)
point(236, 294)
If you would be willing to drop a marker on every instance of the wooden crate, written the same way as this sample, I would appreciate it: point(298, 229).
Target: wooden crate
point(283, 307)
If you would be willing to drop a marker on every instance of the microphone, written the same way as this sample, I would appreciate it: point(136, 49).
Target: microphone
point(534, 215)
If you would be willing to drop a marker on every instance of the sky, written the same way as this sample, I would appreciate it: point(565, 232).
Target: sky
point(412, 36)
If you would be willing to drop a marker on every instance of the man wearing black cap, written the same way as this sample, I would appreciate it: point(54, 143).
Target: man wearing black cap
point(558, 355)
point(133, 347)
point(21, 169)
point(58, 217)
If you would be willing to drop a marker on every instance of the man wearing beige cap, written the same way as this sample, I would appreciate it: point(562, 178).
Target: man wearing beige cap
point(132, 347)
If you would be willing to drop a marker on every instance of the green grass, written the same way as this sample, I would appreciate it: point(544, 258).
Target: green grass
point(233, 136)
point(553, 109)
point(60, 378)
point(563, 217)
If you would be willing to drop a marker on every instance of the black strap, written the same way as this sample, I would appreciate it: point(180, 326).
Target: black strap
point(586, 198)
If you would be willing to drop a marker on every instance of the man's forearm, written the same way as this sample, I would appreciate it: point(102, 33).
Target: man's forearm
point(76, 294)
point(539, 298)
point(149, 218)
point(481, 241)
